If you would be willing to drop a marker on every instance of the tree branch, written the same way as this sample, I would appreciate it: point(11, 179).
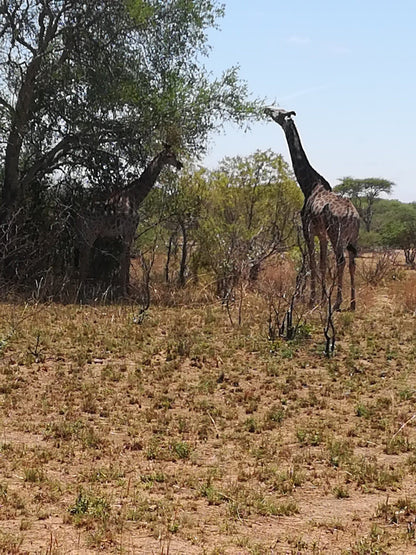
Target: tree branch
point(46, 163)
point(8, 106)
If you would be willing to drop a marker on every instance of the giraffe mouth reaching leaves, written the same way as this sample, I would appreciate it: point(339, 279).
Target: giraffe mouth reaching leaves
point(278, 113)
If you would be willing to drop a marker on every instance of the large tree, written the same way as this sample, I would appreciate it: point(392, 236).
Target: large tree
point(89, 90)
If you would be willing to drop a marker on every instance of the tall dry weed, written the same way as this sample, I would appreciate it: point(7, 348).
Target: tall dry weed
point(277, 279)
point(379, 268)
point(405, 294)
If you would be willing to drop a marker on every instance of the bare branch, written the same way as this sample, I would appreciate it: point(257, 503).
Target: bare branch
point(8, 106)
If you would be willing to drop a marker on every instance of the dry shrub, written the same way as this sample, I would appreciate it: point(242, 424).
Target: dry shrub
point(281, 286)
point(154, 290)
point(405, 293)
point(277, 279)
point(379, 268)
point(192, 294)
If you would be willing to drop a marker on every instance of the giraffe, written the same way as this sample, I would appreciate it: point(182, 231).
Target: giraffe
point(117, 217)
point(324, 214)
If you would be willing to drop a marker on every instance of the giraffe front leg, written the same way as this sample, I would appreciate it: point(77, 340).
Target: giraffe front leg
point(312, 264)
point(125, 269)
point(351, 257)
point(340, 275)
point(84, 261)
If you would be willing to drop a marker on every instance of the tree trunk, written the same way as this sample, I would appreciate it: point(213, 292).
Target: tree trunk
point(184, 257)
point(12, 187)
point(168, 257)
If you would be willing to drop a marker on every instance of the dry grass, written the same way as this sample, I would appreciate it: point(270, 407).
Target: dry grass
point(187, 435)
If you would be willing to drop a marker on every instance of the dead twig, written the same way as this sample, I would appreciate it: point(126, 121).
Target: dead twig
point(214, 424)
point(403, 426)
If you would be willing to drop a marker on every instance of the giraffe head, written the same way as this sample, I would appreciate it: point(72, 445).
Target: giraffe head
point(278, 114)
point(169, 157)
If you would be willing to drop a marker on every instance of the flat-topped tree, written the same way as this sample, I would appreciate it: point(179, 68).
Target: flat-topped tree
point(325, 214)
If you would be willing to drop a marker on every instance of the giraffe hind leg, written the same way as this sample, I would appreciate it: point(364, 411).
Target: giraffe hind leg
point(310, 244)
point(323, 254)
point(124, 271)
point(352, 253)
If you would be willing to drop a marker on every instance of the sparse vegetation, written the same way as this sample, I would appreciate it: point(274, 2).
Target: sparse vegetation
point(190, 433)
point(200, 414)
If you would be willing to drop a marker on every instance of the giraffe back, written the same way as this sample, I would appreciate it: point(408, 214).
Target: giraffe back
point(331, 215)
point(116, 218)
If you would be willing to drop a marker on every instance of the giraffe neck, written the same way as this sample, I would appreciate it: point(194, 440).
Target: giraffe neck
point(139, 188)
point(307, 177)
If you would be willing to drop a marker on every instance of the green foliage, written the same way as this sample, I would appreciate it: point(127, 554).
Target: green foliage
point(251, 214)
point(393, 226)
point(125, 76)
point(181, 449)
point(369, 188)
point(89, 96)
point(399, 230)
point(91, 506)
point(140, 11)
point(370, 240)
point(226, 222)
point(172, 213)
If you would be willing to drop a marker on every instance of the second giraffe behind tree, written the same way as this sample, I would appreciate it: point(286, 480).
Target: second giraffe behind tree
point(117, 217)
point(325, 214)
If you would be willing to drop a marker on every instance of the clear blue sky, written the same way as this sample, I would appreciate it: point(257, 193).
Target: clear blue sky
point(348, 69)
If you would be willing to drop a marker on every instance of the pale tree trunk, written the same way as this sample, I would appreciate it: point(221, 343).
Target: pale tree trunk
point(184, 257)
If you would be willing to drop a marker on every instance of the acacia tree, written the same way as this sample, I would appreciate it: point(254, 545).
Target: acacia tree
point(364, 193)
point(89, 90)
point(251, 214)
